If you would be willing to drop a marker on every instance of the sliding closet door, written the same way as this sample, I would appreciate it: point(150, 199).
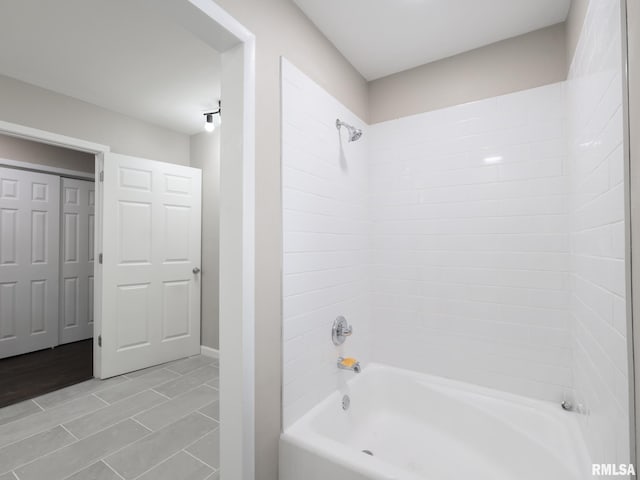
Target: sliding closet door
point(76, 283)
point(29, 256)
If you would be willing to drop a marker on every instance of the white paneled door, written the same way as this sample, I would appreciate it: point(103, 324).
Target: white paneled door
point(29, 254)
point(149, 279)
point(77, 256)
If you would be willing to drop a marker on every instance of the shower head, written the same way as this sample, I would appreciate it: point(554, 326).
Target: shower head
point(354, 133)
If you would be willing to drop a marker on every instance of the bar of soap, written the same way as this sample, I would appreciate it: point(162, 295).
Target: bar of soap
point(349, 362)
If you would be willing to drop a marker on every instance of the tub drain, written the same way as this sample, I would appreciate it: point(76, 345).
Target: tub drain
point(368, 452)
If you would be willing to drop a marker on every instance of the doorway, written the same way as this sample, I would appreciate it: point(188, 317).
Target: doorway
point(57, 125)
point(47, 234)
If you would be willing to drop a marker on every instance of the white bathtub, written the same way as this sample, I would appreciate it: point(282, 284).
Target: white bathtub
point(425, 427)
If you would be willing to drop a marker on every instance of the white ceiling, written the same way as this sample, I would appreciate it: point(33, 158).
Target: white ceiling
point(381, 37)
point(123, 55)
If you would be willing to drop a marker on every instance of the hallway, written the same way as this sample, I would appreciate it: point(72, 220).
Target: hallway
point(158, 423)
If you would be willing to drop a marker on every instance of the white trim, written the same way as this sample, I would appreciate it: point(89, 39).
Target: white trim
point(36, 167)
point(237, 247)
point(50, 138)
point(209, 352)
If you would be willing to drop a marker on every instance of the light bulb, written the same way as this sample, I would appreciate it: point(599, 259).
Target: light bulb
point(208, 123)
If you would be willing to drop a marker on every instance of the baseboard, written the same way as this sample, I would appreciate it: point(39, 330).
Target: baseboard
point(209, 352)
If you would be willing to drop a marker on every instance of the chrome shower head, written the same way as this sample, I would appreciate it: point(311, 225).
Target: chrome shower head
point(354, 133)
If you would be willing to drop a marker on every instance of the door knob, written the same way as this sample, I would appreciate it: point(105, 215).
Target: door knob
point(196, 270)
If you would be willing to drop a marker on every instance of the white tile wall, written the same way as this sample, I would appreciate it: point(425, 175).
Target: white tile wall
point(470, 242)
point(597, 241)
point(326, 242)
point(483, 242)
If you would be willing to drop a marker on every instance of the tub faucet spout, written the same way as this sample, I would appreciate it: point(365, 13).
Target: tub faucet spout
point(349, 364)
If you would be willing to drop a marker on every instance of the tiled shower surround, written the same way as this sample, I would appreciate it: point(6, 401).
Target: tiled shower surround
point(470, 242)
point(326, 241)
point(598, 307)
point(482, 242)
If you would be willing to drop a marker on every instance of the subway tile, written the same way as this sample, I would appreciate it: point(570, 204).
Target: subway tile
point(187, 382)
point(189, 364)
point(115, 413)
point(144, 371)
point(29, 449)
point(212, 410)
point(68, 460)
point(176, 408)
point(489, 231)
point(207, 449)
point(148, 452)
point(182, 466)
point(80, 389)
point(136, 385)
point(18, 411)
point(97, 471)
point(46, 420)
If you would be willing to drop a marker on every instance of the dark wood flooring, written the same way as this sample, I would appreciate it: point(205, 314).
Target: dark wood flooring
point(33, 374)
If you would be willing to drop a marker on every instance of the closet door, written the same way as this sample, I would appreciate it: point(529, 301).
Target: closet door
point(29, 256)
point(76, 279)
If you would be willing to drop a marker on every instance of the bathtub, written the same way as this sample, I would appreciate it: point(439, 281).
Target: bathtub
point(422, 427)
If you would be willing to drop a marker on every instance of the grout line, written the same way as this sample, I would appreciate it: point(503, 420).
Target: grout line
point(41, 456)
point(111, 468)
point(159, 393)
point(208, 416)
point(68, 431)
point(200, 460)
point(106, 404)
point(196, 441)
point(158, 464)
point(37, 404)
point(141, 424)
point(39, 432)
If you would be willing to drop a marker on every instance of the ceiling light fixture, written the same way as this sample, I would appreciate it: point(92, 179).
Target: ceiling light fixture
point(210, 119)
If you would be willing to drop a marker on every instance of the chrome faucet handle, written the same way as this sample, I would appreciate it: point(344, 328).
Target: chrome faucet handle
point(340, 330)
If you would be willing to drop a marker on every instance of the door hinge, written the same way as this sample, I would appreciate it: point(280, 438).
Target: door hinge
point(99, 340)
point(100, 258)
point(101, 176)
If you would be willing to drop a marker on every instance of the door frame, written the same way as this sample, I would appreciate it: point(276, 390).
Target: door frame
point(35, 167)
point(216, 27)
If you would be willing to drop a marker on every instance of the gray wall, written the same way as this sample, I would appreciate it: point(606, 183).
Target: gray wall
point(280, 29)
point(13, 148)
point(527, 61)
point(205, 155)
point(36, 107)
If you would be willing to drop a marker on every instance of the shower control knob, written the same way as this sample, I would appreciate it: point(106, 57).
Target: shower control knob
point(340, 330)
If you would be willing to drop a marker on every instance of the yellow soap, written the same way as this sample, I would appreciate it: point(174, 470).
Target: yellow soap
point(349, 362)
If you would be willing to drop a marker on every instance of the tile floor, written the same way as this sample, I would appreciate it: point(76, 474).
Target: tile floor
point(156, 424)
